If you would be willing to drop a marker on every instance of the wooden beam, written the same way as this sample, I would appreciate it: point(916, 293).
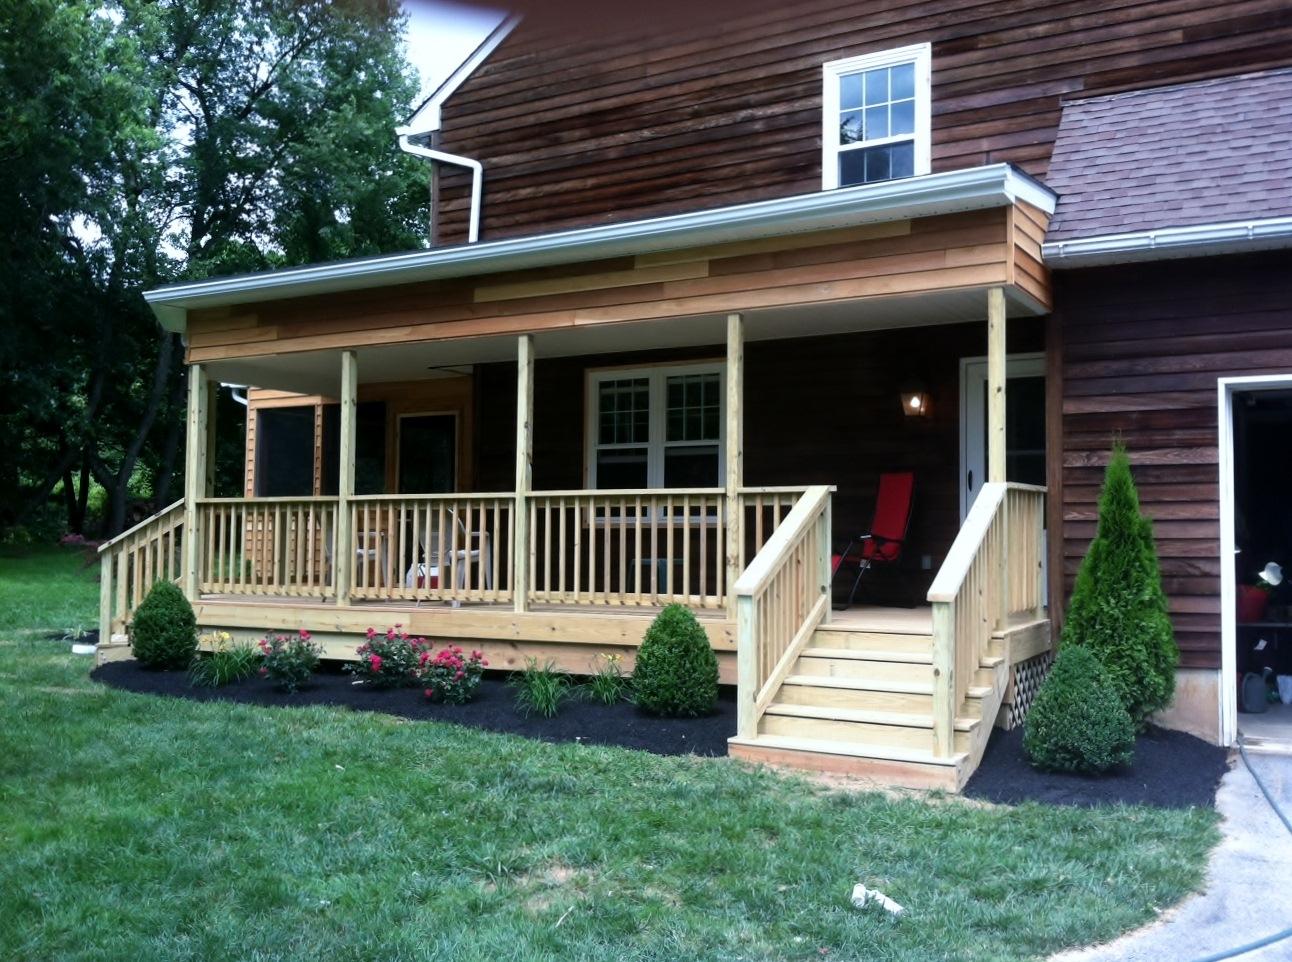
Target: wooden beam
point(343, 552)
point(195, 465)
point(524, 468)
point(996, 376)
point(734, 474)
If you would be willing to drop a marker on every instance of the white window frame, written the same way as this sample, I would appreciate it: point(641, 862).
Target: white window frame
point(921, 55)
point(656, 445)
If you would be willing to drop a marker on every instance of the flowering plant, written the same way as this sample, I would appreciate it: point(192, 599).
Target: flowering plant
point(289, 659)
point(388, 660)
point(450, 676)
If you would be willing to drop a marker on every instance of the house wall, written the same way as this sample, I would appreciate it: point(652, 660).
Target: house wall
point(583, 127)
point(819, 410)
point(1143, 347)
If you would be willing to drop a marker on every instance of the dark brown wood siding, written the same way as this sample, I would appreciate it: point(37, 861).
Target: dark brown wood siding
point(583, 129)
point(1143, 347)
point(821, 410)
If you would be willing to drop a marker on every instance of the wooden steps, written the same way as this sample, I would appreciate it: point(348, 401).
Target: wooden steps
point(860, 702)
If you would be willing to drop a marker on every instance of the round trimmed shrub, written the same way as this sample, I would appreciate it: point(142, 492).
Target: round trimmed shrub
point(1077, 723)
point(677, 671)
point(163, 632)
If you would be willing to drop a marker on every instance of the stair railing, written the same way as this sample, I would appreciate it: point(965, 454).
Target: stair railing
point(133, 561)
point(781, 599)
point(993, 572)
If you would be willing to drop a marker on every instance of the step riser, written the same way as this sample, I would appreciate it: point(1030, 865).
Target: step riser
point(884, 771)
point(871, 640)
point(877, 671)
point(851, 698)
point(893, 736)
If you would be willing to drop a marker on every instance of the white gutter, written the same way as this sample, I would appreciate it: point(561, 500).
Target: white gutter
point(438, 156)
point(975, 188)
point(1200, 240)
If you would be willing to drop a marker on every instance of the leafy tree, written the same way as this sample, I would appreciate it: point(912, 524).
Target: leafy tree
point(1118, 608)
point(158, 140)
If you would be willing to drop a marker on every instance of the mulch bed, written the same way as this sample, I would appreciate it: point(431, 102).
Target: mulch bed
point(91, 637)
point(493, 708)
point(1170, 770)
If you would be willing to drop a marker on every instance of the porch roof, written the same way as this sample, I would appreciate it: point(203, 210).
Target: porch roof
point(977, 188)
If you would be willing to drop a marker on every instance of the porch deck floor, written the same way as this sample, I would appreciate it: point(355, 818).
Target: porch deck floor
point(917, 620)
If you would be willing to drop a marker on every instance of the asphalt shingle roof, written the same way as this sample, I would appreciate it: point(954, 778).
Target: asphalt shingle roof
point(1199, 153)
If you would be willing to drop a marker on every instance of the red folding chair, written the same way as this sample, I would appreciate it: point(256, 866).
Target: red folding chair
point(883, 543)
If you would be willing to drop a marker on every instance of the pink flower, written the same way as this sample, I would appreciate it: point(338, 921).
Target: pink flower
point(429, 693)
point(372, 633)
point(375, 662)
point(305, 635)
point(264, 672)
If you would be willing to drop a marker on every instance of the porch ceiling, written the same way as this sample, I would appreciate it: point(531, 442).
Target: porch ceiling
point(319, 372)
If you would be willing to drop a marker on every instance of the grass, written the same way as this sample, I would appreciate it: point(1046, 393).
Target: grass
point(541, 689)
point(154, 829)
point(51, 588)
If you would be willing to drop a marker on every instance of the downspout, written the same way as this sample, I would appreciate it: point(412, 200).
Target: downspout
point(438, 156)
point(233, 392)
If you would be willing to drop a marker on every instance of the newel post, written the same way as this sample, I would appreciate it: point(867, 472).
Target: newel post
point(524, 469)
point(746, 666)
point(734, 474)
point(944, 678)
point(343, 551)
point(195, 477)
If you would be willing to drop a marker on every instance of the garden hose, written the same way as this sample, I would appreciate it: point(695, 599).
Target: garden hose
point(1277, 936)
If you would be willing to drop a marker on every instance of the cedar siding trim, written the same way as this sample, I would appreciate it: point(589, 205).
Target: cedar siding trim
point(1143, 348)
point(576, 130)
point(971, 250)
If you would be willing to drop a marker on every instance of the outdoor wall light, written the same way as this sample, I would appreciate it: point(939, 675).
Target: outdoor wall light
point(916, 401)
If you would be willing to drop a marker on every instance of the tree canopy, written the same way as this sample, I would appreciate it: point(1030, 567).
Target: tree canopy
point(147, 141)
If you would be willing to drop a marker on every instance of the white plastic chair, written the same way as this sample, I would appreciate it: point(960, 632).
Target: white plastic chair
point(458, 560)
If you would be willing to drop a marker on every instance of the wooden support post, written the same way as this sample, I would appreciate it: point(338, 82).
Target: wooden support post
point(826, 547)
point(343, 549)
point(734, 475)
point(996, 377)
point(944, 678)
point(524, 468)
point(195, 465)
point(105, 597)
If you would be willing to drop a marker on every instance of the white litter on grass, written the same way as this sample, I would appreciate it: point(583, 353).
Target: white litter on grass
point(862, 896)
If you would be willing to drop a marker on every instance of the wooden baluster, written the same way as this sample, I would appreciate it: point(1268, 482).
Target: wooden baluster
point(578, 545)
point(637, 549)
point(623, 550)
point(653, 501)
point(686, 548)
point(547, 547)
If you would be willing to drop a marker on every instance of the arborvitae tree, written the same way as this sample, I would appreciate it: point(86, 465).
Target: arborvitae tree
point(1118, 608)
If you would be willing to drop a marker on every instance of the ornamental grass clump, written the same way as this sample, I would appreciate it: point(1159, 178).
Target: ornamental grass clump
point(289, 660)
point(388, 660)
point(541, 690)
point(449, 675)
point(677, 671)
point(607, 683)
point(227, 662)
point(163, 632)
point(1077, 723)
point(1118, 608)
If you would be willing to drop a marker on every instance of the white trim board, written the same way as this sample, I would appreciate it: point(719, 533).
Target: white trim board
point(426, 118)
point(1226, 388)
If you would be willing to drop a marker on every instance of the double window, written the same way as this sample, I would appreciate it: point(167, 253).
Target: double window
point(659, 427)
point(876, 117)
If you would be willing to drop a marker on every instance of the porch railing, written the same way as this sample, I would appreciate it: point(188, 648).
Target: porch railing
point(639, 547)
point(992, 573)
point(267, 546)
point(432, 547)
point(133, 561)
point(781, 599)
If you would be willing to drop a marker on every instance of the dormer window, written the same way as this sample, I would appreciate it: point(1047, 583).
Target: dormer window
point(876, 117)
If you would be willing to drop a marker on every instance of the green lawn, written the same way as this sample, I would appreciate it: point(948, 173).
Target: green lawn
point(138, 828)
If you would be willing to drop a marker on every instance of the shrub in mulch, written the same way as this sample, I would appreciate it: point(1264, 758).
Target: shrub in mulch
point(493, 708)
point(677, 672)
point(1171, 769)
point(1077, 723)
point(163, 632)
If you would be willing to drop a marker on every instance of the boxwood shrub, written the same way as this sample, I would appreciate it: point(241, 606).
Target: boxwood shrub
point(163, 632)
point(677, 671)
point(1077, 723)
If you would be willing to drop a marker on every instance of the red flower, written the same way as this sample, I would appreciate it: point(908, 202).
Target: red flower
point(305, 635)
point(372, 633)
point(375, 662)
point(429, 693)
point(264, 672)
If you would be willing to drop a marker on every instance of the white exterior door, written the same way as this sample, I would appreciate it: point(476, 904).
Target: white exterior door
point(1024, 423)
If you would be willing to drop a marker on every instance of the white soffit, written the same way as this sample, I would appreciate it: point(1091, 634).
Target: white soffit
point(427, 117)
point(975, 188)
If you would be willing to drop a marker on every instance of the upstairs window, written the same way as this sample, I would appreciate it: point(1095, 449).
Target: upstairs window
point(876, 117)
point(656, 427)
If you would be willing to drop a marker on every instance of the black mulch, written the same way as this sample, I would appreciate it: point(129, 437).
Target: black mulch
point(91, 637)
point(493, 709)
point(1170, 770)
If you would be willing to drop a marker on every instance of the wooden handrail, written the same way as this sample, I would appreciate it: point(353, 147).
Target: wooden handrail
point(151, 519)
point(781, 599)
